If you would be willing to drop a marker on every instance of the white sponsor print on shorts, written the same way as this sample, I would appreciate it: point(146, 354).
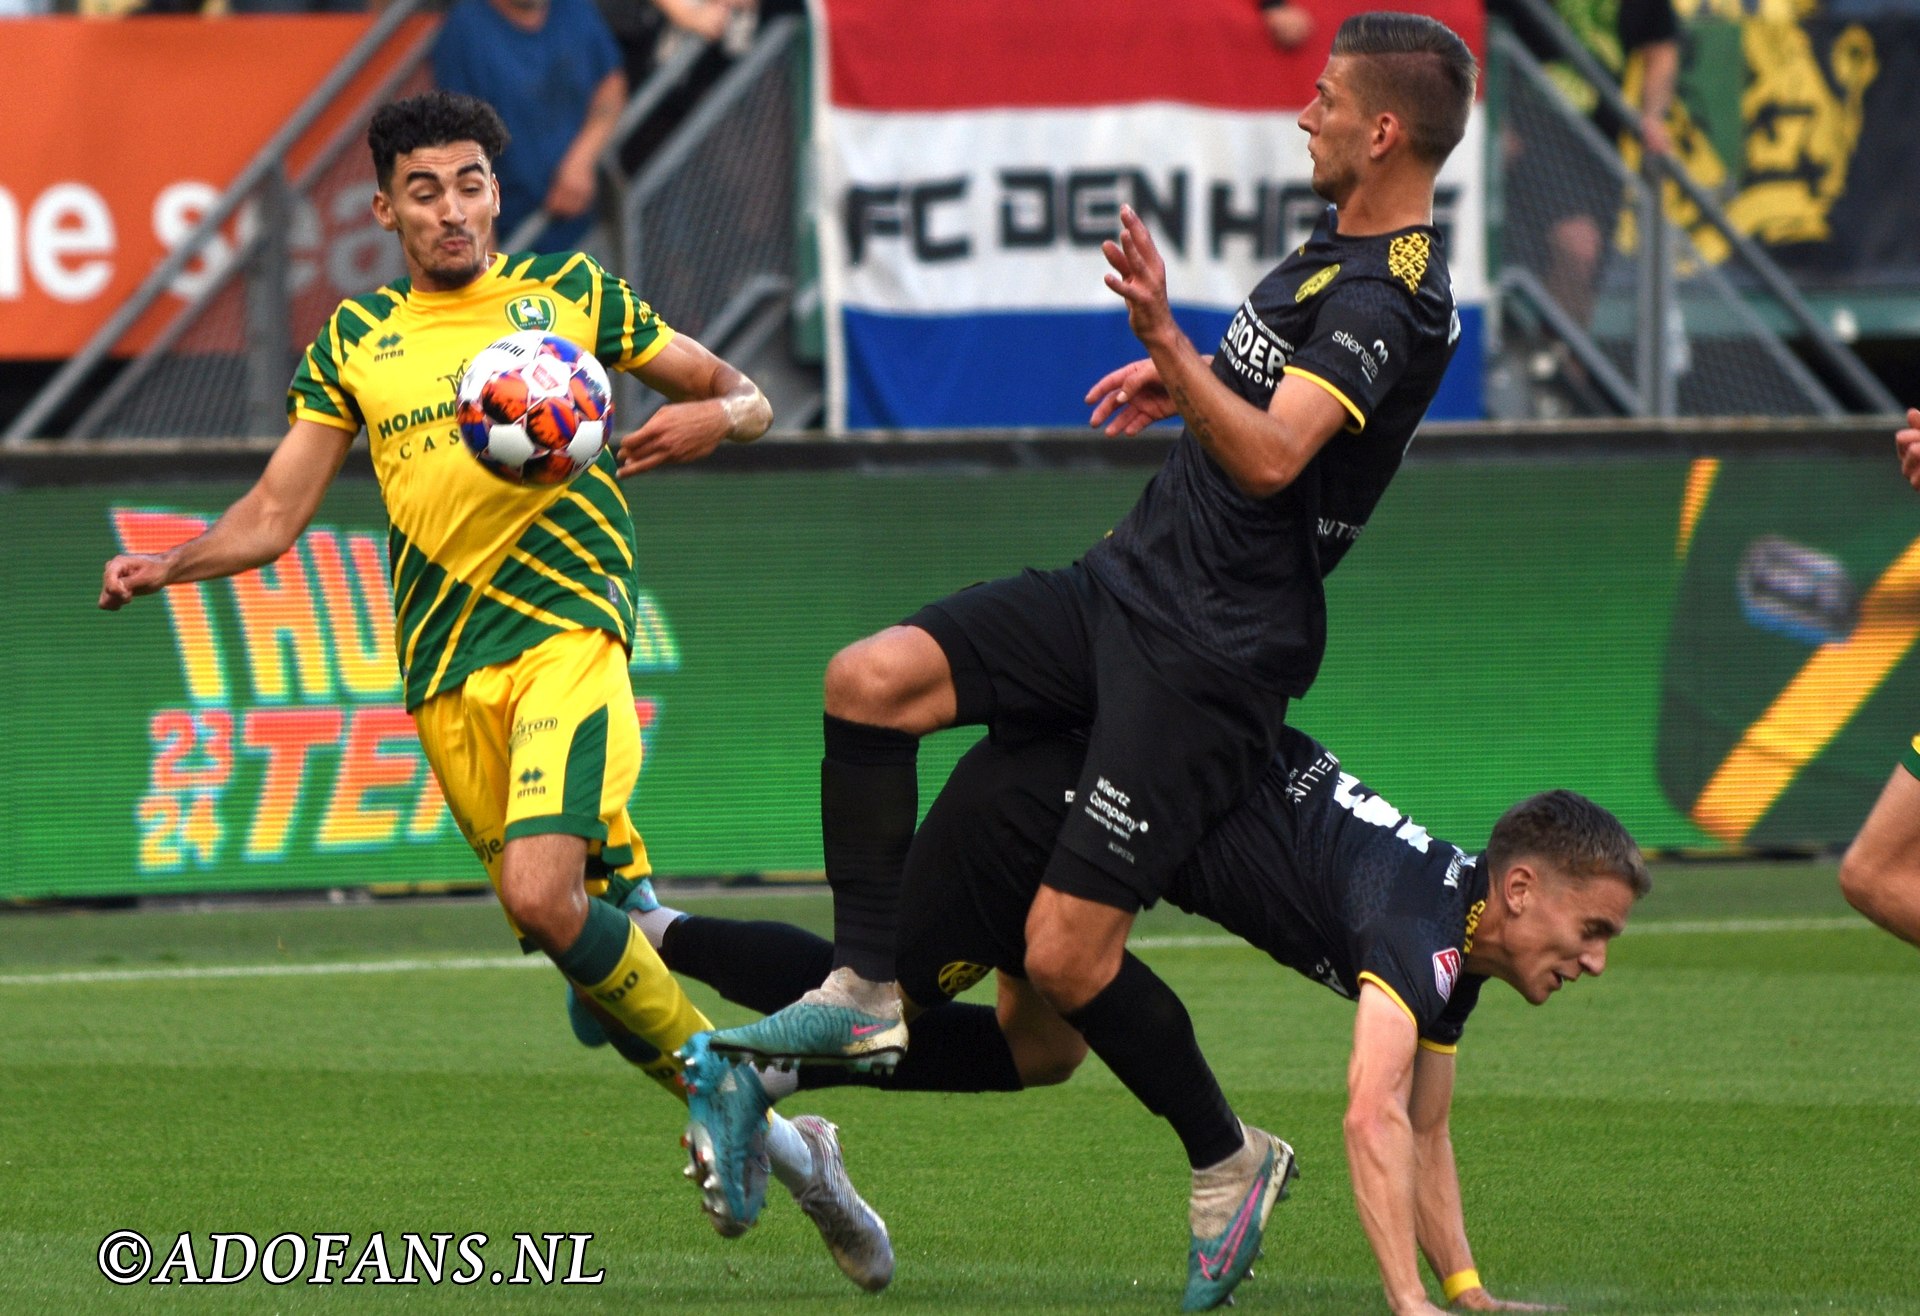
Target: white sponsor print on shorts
point(1109, 806)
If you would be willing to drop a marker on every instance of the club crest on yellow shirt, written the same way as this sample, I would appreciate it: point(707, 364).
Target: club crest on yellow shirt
point(530, 313)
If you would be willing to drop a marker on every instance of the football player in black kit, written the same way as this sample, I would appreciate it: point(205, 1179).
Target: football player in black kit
point(1176, 642)
point(1312, 868)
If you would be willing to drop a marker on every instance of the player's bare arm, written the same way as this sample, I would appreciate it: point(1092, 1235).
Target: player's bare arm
point(1907, 444)
point(1380, 1144)
point(1261, 451)
point(257, 529)
point(1440, 1220)
point(709, 402)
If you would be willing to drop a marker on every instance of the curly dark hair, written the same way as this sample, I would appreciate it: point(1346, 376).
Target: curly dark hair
point(433, 118)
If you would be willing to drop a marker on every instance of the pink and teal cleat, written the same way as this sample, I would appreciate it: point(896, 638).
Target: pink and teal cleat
point(846, 1021)
point(1216, 1265)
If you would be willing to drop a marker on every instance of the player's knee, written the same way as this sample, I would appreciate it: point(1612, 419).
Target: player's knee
point(541, 911)
point(1861, 881)
point(1046, 1049)
point(885, 680)
point(855, 682)
point(1055, 1061)
point(1062, 972)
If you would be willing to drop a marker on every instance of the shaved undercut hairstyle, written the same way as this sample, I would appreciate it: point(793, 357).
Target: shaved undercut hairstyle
point(1572, 834)
point(1417, 69)
point(434, 118)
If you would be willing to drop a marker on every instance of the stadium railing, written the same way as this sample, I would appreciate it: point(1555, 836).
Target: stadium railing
point(1677, 327)
point(219, 366)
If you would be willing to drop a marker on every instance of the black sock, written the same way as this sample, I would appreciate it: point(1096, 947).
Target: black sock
point(763, 966)
point(951, 1048)
point(1143, 1032)
point(869, 803)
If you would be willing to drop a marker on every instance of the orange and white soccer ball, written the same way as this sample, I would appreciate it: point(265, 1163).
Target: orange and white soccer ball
point(535, 408)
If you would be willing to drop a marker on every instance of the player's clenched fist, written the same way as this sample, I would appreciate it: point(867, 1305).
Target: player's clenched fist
point(129, 576)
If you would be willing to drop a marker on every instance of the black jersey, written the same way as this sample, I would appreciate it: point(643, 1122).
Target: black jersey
point(1331, 880)
point(1371, 320)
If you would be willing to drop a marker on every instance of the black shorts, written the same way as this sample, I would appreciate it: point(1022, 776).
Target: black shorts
point(975, 865)
point(1174, 739)
point(976, 861)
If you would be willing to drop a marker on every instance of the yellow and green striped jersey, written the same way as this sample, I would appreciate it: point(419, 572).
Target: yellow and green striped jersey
point(481, 569)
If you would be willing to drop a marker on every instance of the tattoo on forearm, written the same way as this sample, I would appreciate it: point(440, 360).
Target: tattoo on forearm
point(1195, 421)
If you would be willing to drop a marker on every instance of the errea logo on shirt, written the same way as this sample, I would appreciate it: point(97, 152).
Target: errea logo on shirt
point(530, 313)
point(1446, 970)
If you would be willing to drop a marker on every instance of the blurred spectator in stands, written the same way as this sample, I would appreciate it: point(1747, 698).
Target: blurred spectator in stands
point(722, 29)
point(1568, 199)
point(636, 26)
point(729, 22)
point(552, 70)
point(644, 28)
point(24, 8)
point(1640, 47)
point(1287, 23)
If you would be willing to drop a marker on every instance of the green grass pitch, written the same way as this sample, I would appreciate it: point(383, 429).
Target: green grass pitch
point(1728, 1121)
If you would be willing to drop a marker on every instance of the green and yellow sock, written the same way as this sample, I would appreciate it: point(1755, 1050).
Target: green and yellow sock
point(625, 976)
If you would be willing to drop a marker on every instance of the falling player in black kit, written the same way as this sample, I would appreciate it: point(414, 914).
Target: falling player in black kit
point(1177, 642)
point(1334, 882)
point(1314, 869)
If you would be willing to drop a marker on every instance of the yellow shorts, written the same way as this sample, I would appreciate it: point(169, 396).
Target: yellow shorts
point(546, 743)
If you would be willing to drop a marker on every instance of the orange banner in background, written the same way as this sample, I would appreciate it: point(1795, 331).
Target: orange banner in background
point(121, 135)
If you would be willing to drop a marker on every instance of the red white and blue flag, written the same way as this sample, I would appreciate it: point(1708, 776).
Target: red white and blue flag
point(971, 157)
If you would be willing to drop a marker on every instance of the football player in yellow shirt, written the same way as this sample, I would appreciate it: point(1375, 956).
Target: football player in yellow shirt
point(514, 603)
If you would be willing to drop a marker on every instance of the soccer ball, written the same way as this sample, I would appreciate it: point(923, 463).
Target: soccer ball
point(535, 409)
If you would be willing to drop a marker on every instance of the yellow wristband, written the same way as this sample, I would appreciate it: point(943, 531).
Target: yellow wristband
point(1459, 1282)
